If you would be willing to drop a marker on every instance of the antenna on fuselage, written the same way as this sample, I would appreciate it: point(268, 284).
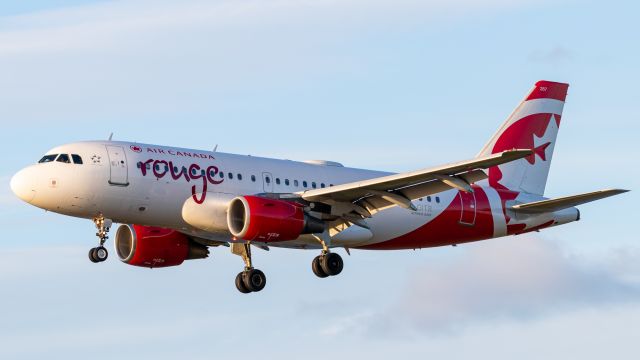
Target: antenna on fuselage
point(110, 136)
point(215, 148)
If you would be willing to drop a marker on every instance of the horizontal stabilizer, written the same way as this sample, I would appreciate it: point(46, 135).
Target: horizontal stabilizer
point(552, 205)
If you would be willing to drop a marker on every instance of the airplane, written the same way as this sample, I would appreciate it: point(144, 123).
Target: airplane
point(174, 204)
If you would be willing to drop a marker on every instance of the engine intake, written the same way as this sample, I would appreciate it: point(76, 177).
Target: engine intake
point(153, 247)
point(263, 219)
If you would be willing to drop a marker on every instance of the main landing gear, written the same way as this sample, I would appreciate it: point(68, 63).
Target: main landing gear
point(100, 253)
point(249, 280)
point(328, 263)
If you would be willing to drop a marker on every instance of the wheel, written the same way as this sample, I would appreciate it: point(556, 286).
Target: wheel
point(101, 253)
point(254, 280)
point(92, 255)
point(240, 284)
point(317, 268)
point(332, 264)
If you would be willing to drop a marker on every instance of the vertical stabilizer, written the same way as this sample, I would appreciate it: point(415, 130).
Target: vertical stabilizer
point(532, 125)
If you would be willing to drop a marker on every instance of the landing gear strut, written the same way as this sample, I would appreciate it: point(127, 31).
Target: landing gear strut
point(328, 263)
point(249, 280)
point(100, 253)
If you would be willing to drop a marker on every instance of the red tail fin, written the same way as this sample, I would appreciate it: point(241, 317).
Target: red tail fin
point(532, 125)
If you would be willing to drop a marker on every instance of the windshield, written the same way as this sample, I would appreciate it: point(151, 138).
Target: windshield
point(47, 158)
point(63, 158)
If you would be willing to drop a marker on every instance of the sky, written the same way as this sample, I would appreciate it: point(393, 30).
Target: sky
point(390, 85)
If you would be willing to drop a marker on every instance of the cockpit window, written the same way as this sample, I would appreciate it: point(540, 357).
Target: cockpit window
point(64, 158)
point(76, 159)
point(47, 158)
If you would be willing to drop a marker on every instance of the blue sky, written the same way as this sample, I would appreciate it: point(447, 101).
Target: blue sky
point(395, 85)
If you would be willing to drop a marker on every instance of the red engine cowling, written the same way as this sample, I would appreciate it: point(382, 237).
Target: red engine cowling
point(262, 219)
point(153, 247)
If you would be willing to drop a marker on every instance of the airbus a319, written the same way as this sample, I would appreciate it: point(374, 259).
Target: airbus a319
point(175, 204)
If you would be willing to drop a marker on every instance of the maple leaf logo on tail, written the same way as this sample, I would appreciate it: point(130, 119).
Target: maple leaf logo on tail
point(533, 125)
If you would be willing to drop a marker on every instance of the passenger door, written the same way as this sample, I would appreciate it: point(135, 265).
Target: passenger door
point(119, 173)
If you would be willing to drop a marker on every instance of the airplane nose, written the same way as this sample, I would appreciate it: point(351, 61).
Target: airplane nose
point(22, 184)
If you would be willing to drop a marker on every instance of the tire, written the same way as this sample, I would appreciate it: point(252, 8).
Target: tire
point(254, 280)
point(240, 284)
point(100, 253)
point(92, 256)
point(332, 264)
point(317, 268)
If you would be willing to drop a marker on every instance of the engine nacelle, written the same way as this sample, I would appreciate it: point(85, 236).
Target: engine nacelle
point(263, 219)
point(153, 247)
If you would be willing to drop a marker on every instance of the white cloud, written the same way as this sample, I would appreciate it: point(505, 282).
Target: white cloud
point(554, 55)
point(348, 324)
point(90, 26)
point(132, 61)
point(512, 279)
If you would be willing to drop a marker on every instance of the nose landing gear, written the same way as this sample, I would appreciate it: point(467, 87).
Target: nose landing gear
point(100, 253)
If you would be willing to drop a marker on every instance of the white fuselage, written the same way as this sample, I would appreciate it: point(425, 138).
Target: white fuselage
point(149, 184)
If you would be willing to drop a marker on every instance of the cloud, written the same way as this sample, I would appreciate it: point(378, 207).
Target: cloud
point(513, 279)
point(347, 324)
point(555, 55)
point(96, 26)
point(163, 60)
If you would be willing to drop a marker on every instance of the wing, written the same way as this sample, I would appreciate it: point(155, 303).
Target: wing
point(355, 200)
point(564, 202)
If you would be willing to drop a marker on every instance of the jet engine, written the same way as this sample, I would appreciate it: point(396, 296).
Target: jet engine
point(154, 247)
point(263, 219)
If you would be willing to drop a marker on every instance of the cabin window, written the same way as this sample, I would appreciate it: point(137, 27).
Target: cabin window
point(295, 183)
point(286, 182)
point(253, 178)
point(278, 181)
point(267, 179)
point(231, 176)
point(429, 198)
point(322, 185)
point(438, 199)
point(47, 158)
point(313, 184)
point(63, 158)
point(304, 183)
point(76, 159)
point(239, 176)
point(222, 174)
